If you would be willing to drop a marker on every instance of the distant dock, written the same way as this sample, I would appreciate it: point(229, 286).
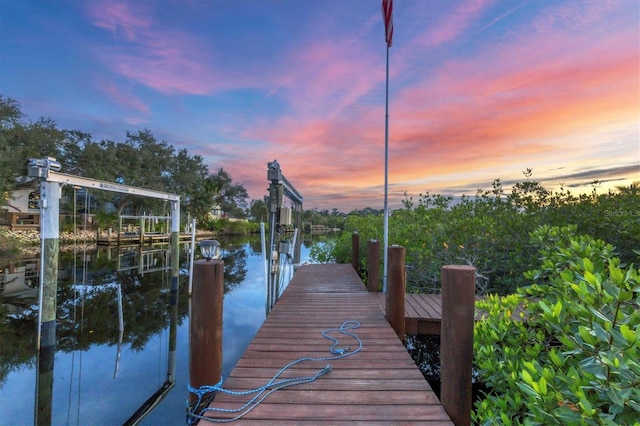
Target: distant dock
point(422, 313)
point(132, 238)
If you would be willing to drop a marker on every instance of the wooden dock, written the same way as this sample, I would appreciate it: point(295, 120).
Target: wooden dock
point(422, 313)
point(131, 239)
point(378, 385)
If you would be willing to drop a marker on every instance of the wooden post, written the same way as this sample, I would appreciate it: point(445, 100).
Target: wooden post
point(456, 337)
point(373, 265)
point(396, 289)
point(205, 330)
point(355, 251)
point(141, 230)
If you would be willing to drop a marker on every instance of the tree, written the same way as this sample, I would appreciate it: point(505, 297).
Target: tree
point(20, 140)
point(145, 163)
point(207, 191)
point(186, 176)
point(259, 210)
point(75, 145)
point(10, 117)
point(141, 161)
point(232, 197)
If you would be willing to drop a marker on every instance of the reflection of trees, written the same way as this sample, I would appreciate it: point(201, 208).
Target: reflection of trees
point(88, 311)
point(145, 299)
point(256, 246)
point(311, 239)
point(18, 346)
point(235, 266)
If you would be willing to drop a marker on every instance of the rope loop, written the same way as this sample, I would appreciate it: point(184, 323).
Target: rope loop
point(208, 392)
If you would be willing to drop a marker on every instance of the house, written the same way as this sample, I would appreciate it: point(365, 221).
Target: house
point(22, 210)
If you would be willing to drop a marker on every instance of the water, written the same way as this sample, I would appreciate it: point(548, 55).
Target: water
point(103, 374)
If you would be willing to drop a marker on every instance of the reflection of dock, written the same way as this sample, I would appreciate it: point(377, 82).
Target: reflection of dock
point(321, 229)
point(140, 230)
point(132, 238)
point(135, 239)
point(20, 281)
point(144, 261)
point(380, 384)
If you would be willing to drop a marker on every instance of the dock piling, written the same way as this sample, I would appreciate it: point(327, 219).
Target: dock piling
point(456, 347)
point(205, 330)
point(396, 290)
point(355, 251)
point(373, 266)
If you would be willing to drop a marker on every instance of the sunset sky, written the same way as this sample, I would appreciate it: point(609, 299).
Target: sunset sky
point(478, 89)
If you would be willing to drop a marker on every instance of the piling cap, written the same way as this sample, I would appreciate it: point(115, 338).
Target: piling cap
point(210, 249)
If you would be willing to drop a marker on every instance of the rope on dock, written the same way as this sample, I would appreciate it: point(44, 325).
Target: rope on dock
point(273, 384)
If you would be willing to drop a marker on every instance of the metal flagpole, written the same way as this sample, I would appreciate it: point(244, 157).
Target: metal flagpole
point(387, 15)
point(386, 181)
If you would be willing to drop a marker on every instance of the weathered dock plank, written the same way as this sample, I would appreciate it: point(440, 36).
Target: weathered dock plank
point(378, 385)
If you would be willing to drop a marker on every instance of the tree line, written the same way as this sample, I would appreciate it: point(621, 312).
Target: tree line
point(490, 231)
point(140, 160)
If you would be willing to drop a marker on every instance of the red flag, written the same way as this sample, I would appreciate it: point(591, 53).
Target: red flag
point(387, 12)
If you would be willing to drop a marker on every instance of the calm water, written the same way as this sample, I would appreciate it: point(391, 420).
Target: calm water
point(104, 373)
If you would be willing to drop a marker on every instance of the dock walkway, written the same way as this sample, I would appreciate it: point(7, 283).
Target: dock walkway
point(422, 313)
point(378, 385)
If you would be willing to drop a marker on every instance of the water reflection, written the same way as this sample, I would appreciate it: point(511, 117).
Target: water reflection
point(121, 343)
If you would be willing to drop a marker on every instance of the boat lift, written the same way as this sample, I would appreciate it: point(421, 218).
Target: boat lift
point(47, 170)
point(280, 219)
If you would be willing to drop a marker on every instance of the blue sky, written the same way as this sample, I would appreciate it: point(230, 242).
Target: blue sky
point(478, 89)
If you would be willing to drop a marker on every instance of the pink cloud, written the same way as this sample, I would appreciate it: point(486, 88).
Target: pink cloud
point(119, 17)
point(169, 61)
point(530, 91)
point(167, 64)
point(454, 23)
point(124, 99)
point(508, 102)
point(327, 77)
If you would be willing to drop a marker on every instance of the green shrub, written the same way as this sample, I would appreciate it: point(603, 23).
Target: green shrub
point(491, 231)
point(566, 349)
point(227, 227)
point(106, 220)
point(323, 252)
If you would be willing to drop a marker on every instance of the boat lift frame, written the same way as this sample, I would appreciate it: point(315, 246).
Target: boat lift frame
point(279, 186)
point(47, 170)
